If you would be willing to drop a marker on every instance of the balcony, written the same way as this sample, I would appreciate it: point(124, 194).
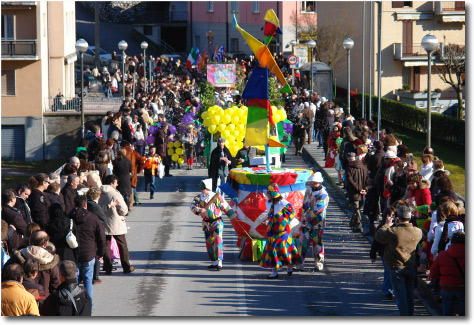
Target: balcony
point(450, 11)
point(414, 55)
point(19, 49)
point(157, 17)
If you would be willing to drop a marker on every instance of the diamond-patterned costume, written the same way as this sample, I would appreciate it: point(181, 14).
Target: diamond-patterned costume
point(212, 224)
point(313, 222)
point(280, 249)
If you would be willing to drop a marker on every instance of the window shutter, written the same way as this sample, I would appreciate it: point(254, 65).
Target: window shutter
point(397, 4)
point(8, 83)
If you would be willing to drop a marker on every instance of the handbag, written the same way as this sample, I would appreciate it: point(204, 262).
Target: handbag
point(114, 250)
point(161, 170)
point(71, 239)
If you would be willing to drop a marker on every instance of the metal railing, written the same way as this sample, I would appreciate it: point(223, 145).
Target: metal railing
point(450, 94)
point(18, 48)
point(73, 104)
point(402, 51)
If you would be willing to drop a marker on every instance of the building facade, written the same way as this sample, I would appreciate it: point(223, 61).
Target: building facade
point(403, 25)
point(38, 55)
point(215, 18)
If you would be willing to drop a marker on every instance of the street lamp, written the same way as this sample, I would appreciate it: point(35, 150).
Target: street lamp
point(293, 43)
point(144, 46)
point(122, 45)
point(348, 45)
point(312, 45)
point(81, 47)
point(429, 44)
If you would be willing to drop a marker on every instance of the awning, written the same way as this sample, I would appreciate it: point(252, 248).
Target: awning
point(71, 58)
point(419, 63)
point(454, 18)
point(413, 16)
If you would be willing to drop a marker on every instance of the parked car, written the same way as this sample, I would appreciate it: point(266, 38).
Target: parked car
point(89, 56)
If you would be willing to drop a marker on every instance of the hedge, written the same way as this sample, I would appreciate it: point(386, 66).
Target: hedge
point(443, 127)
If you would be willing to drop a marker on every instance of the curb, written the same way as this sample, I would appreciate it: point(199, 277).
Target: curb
point(422, 292)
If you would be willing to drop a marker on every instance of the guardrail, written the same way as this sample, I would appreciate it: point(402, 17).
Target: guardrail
point(73, 104)
point(18, 48)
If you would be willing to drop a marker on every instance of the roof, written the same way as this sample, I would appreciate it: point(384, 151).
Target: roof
point(318, 65)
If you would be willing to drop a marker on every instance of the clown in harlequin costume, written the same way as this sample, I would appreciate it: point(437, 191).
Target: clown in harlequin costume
point(212, 224)
point(280, 249)
point(313, 220)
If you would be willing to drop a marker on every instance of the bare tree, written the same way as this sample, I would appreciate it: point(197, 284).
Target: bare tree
point(453, 69)
point(329, 36)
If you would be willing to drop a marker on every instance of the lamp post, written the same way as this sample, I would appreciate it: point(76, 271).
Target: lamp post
point(348, 45)
point(122, 45)
point(312, 45)
point(144, 46)
point(429, 44)
point(81, 47)
point(293, 43)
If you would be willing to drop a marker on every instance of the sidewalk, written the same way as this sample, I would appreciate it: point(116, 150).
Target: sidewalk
point(315, 156)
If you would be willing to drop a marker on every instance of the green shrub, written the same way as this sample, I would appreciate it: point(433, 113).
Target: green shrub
point(442, 127)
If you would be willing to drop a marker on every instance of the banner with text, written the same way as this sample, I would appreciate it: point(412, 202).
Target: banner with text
point(221, 74)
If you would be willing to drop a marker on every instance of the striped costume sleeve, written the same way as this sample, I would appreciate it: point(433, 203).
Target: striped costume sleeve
point(196, 205)
point(320, 202)
point(225, 207)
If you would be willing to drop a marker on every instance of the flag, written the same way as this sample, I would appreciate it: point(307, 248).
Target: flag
point(220, 54)
point(215, 54)
point(259, 110)
point(192, 58)
point(201, 61)
point(264, 56)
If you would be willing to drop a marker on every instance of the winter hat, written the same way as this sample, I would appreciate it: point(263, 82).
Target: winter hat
point(390, 154)
point(206, 184)
point(273, 191)
point(404, 212)
point(323, 100)
point(316, 177)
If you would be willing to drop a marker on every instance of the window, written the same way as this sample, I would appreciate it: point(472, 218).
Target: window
point(8, 27)
point(147, 30)
point(210, 6)
point(234, 6)
point(8, 82)
point(234, 45)
point(197, 41)
point(308, 6)
point(255, 7)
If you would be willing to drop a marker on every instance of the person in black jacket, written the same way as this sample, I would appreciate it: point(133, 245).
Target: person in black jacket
point(219, 165)
point(123, 170)
point(69, 192)
point(299, 130)
point(11, 214)
point(37, 201)
point(59, 303)
point(93, 206)
point(23, 192)
point(91, 241)
point(53, 192)
point(58, 227)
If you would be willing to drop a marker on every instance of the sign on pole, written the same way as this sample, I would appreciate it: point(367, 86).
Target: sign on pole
point(293, 61)
point(301, 51)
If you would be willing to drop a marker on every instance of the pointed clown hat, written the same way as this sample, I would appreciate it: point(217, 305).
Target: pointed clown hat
point(206, 184)
point(273, 191)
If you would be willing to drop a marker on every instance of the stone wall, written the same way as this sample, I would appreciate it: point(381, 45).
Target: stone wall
point(63, 132)
point(117, 11)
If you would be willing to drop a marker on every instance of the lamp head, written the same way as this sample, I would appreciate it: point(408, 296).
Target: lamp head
point(348, 43)
point(122, 45)
point(144, 45)
point(429, 42)
point(293, 42)
point(312, 44)
point(81, 45)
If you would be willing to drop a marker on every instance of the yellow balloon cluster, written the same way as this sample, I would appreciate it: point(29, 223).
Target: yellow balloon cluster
point(230, 123)
point(278, 114)
point(176, 151)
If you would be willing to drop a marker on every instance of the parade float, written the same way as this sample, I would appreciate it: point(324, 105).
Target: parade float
point(265, 126)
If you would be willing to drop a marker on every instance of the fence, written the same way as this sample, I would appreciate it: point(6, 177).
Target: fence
point(73, 104)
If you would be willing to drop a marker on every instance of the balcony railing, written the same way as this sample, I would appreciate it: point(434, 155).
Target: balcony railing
point(18, 49)
point(446, 7)
point(155, 17)
point(415, 51)
point(73, 104)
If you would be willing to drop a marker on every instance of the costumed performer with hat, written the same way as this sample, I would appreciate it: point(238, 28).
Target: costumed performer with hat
point(189, 139)
point(313, 220)
point(210, 207)
point(280, 249)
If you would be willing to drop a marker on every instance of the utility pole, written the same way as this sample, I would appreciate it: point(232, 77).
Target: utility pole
point(97, 35)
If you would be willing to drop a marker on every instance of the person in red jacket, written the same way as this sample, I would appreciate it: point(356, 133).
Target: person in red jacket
point(419, 197)
point(449, 267)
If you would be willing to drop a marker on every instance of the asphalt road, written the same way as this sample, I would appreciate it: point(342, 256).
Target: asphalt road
point(171, 278)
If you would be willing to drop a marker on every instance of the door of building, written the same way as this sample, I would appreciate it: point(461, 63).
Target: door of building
point(13, 142)
point(407, 38)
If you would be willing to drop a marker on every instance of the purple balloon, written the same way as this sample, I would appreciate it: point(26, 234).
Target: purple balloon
point(172, 129)
point(150, 140)
point(152, 129)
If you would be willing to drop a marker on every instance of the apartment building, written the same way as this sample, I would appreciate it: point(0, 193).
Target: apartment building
point(38, 55)
point(403, 25)
point(214, 18)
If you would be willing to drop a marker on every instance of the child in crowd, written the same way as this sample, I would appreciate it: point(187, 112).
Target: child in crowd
point(139, 138)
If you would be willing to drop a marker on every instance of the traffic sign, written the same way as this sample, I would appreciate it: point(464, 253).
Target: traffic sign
point(293, 60)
